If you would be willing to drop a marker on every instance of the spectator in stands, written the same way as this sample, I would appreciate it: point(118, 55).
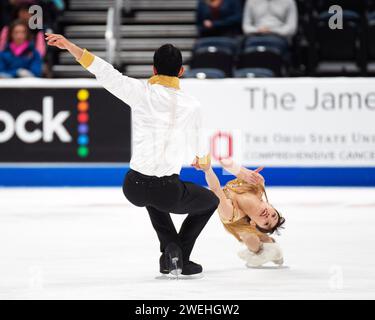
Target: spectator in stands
point(8, 8)
point(20, 59)
point(219, 17)
point(22, 13)
point(270, 22)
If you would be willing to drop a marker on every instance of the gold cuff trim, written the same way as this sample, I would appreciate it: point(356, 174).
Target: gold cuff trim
point(87, 59)
point(172, 82)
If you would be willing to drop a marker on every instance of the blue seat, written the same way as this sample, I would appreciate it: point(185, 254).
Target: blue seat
point(370, 5)
point(357, 6)
point(371, 17)
point(219, 42)
point(262, 57)
point(213, 58)
point(254, 73)
point(339, 44)
point(338, 51)
point(371, 35)
point(348, 15)
point(204, 73)
point(268, 41)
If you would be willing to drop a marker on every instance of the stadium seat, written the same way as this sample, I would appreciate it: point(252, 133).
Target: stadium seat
point(370, 5)
point(262, 57)
point(339, 47)
point(304, 6)
point(204, 73)
point(358, 6)
point(254, 73)
point(219, 42)
point(371, 35)
point(339, 44)
point(300, 44)
point(268, 41)
point(213, 57)
point(370, 43)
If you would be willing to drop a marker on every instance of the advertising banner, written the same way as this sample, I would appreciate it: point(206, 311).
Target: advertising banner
point(305, 131)
point(290, 122)
point(65, 125)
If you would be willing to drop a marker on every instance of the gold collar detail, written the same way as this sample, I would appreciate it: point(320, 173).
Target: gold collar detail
point(172, 82)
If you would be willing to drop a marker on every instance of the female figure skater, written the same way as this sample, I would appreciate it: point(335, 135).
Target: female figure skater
point(245, 213)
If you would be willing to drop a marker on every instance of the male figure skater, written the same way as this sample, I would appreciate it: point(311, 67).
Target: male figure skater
point(161, 111)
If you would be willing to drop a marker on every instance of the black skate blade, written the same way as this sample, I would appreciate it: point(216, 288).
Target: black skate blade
point(180, 277)
point(174, 259)
point(175, 273)
point(191, 277)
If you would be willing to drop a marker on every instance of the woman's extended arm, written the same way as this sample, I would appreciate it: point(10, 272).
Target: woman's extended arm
point(225, 208)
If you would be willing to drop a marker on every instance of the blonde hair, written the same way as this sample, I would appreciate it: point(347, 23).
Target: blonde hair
point(240, 187)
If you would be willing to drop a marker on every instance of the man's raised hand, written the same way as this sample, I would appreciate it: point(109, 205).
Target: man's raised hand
point(57, 40)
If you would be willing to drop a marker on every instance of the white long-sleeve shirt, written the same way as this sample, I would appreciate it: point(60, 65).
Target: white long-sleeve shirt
point(166, 122)
point(280, 16)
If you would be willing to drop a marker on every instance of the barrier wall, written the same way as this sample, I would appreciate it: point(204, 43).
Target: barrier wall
point(317, 132)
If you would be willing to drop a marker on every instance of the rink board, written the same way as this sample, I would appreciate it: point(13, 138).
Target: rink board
point(305, 131)
point(112, 176)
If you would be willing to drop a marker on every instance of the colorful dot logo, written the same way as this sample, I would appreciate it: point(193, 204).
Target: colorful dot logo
point(83, 118)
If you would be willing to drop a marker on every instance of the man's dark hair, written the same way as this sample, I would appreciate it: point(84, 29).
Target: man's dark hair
point(168, 60)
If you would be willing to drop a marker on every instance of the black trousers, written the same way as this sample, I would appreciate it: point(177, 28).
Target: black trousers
point(165, 195)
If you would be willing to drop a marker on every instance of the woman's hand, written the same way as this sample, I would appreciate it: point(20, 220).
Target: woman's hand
point(250, 176)
point(203, 164)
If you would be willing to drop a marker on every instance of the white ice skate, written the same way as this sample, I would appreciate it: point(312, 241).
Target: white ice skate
point(271, 252)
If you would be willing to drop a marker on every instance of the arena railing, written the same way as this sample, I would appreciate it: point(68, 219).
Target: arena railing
point(112, 33)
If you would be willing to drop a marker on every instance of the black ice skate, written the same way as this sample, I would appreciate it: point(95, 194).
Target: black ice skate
point(191, 268)
point(163, 265)
point(171, 260)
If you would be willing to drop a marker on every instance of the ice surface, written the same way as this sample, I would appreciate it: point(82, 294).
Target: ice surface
point(92, 244)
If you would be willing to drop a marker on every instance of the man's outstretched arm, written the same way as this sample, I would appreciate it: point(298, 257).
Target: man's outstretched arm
point(252, 177)
point(57, 40)
point(126, 89)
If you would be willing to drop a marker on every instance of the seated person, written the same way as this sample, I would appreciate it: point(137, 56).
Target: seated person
point(20, 59)
point(270, 23)
point(219, 18)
